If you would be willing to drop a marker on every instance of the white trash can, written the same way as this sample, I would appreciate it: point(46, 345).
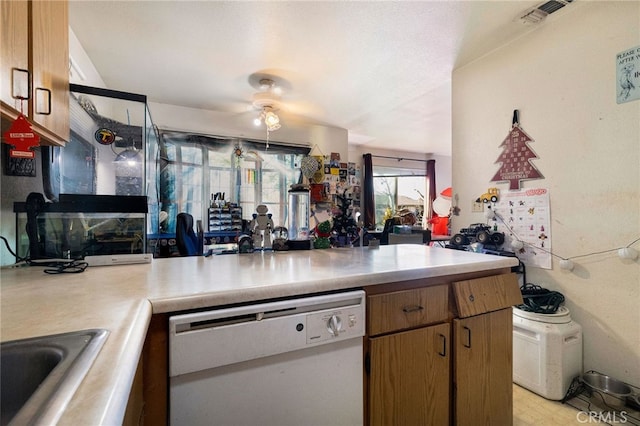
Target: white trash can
point(547, 351)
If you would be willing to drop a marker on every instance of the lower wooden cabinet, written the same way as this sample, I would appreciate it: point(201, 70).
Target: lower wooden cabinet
point(409, 377)
point(483, 363)
point(415, 376)
point(135, 405)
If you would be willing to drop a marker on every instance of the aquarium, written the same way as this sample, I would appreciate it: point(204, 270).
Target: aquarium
point(112, 149)
point(81, 225)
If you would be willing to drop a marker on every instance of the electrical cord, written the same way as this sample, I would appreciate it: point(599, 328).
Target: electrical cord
point(53, 267)
point(540, 300)
point(549, 252)
point(18, 258)
point(73, 267)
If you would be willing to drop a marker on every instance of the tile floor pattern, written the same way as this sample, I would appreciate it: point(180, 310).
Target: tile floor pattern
point(530, 409)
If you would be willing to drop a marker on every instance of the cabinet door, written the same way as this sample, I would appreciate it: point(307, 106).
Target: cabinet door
point(14, 33)
point(483, 356)
point(409, 377)
point(50, 67)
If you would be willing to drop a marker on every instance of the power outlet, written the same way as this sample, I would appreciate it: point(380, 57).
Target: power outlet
point(477, 207)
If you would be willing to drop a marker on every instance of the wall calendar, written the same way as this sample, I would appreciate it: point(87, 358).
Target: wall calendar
point(525, 215)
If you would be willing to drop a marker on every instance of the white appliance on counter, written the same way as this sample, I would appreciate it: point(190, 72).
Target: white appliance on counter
point(288, 362)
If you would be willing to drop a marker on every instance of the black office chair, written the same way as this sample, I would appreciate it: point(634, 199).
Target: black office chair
point(388, 228)
point(186, 239)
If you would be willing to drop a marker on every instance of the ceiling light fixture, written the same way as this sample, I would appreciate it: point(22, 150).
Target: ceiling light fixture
point(268, 102)
point(271, 119)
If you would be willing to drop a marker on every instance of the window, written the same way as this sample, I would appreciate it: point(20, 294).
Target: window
point(195, 169)
point(398, 189)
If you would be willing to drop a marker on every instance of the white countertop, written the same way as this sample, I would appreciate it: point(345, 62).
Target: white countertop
point(123, 298)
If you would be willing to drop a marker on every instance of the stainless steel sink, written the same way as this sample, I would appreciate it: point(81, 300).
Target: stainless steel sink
point(40, 375)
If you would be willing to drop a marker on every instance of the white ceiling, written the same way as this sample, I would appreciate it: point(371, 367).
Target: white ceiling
point(380, 69)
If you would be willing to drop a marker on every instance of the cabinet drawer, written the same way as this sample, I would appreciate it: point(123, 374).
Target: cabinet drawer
point(481, 295)
point(406, 309)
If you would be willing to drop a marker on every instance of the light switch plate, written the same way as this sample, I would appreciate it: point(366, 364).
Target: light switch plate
point(477, 207)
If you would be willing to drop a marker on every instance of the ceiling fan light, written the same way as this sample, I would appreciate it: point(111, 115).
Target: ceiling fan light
point(272, 120)
point(257, 121)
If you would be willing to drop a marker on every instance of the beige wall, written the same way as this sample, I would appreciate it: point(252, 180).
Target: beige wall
point(562, 79)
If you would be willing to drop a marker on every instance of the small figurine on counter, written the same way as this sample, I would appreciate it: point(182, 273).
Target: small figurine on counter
point(260, 227)
point(280, 235)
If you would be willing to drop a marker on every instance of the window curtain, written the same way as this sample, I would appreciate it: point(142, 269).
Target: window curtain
point(367, 192)
point(431, 188)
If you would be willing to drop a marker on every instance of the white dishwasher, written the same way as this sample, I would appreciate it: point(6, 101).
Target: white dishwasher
point(288, 362)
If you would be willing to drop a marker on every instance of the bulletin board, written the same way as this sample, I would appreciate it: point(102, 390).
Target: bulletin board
point(334, 178)
point(525, 215)
point(341, 178)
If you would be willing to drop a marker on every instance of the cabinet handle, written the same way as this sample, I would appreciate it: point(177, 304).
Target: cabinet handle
point(468, 344)
point(18, 83)
point(414, 308)
point(443, 352)
point(47, 93)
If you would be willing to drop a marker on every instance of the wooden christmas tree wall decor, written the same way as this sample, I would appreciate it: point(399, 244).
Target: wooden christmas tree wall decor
point(516, 157)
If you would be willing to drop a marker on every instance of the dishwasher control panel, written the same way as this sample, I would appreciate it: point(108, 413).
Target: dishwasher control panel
point(204, 340)
point(335, 324)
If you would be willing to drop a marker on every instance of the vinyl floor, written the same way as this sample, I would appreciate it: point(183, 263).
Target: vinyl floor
point(530, 409)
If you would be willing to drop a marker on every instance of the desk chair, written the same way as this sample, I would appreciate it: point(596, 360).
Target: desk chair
point(186, 239)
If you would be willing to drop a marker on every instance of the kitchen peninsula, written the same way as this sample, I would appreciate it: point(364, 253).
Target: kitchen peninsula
point(133, 303)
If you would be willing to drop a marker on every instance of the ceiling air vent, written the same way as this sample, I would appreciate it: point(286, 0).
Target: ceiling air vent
point(541, 11)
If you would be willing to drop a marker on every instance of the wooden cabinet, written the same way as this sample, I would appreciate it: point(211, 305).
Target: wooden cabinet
point(14, 55)
point(483, 369)
point(408, 359)
point(409, 377)
point(483, 350)
point(415, 376)
point(133, 412)
point(35, 65)
point(406, 309)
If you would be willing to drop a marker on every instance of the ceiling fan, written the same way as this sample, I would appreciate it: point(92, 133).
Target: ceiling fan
point(274, 94)
point(268, 102)
point(273, 104)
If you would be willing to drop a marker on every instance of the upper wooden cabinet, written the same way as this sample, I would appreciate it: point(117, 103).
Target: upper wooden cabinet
point(14, 55)
point(34, 64)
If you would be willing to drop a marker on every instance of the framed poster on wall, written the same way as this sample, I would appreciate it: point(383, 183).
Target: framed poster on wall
point(628, 75)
